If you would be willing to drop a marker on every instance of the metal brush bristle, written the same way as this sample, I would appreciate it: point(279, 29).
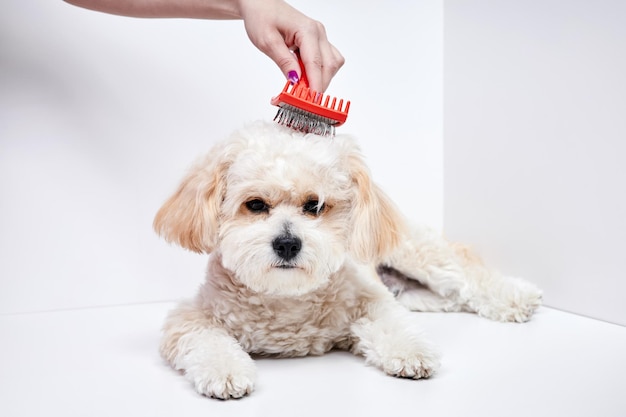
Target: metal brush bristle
point(304, 121)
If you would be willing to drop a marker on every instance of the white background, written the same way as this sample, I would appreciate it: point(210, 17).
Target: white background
point(100, 116)
point(535, 144)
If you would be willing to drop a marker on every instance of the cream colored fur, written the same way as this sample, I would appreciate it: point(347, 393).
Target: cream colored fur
point(298, 234)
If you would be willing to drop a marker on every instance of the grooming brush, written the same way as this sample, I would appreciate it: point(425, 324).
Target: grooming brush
point(305, 110)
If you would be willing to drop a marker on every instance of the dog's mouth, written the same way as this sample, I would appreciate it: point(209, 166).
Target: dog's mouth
point(285, 266)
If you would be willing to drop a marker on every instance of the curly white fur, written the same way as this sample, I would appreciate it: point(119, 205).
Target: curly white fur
point(296, 230)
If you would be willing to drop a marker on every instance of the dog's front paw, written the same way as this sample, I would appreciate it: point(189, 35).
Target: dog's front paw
point(393, 344)
point(232, 378)
point(224, 387)
point(415, 365)
point(512, 300)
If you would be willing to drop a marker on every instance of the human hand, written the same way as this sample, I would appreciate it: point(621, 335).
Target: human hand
point(277, 29)
point(273, 26)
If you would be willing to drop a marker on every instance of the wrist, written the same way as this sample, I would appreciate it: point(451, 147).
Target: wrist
point(250, 8)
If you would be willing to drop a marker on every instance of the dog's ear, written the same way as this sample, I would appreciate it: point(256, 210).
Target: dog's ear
point(377, 224)
point(190, 217)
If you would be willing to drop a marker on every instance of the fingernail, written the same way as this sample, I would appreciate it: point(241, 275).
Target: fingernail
point(293, 77)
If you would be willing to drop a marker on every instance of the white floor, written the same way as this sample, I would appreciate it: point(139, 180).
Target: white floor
point(103, 362)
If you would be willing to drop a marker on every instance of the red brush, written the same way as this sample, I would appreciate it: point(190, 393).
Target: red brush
point(307, 111)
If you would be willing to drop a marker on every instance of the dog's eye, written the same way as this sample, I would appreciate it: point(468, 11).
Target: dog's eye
point(257, 206)
point(313, 207)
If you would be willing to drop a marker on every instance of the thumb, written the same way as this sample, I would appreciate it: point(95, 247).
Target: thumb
point(285, 58)
point(287, 61)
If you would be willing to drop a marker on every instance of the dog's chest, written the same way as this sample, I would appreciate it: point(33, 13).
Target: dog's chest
point(294, 327)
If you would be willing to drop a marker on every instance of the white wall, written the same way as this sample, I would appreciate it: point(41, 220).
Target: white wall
point(535, 141)
point(100, 115)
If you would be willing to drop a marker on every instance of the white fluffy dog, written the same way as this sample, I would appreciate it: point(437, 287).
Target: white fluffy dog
point(299, 237)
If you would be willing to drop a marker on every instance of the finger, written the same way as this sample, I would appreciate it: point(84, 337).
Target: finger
point(332, 62)
point(274, 47)
point(288, 63)
point(313, 61)
point(320, 58)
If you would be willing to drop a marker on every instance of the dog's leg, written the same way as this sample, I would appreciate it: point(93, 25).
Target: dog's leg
point(209, 357)
point(414, 295)
point(460, 279)
point(388, 339)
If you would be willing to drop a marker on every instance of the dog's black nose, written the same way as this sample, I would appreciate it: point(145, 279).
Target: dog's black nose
point(287, 247)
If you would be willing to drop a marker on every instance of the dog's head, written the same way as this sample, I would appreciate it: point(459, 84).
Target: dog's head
point(282, 209)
